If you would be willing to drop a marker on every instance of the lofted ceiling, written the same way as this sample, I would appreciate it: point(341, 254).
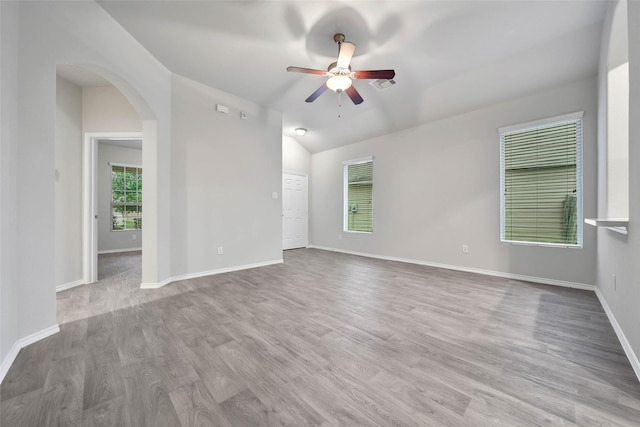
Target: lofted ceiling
point(449, 56)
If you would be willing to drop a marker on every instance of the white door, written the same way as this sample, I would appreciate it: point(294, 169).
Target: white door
point(294, 211)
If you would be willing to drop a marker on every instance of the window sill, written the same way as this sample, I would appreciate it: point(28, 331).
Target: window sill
point(619, 225)
point(542, 245)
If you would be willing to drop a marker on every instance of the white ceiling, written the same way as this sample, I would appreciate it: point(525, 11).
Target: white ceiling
point(449, 56)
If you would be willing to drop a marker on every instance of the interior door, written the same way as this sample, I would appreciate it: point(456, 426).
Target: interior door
point(294, 211)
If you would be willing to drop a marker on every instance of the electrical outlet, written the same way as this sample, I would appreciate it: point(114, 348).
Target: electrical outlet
point(134, 237)
point(220, 251)
point(339, 236)
point(465, 249)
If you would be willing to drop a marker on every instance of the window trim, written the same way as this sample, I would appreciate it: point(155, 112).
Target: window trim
point(125, 165)
point(345, 193)
point(578, 117)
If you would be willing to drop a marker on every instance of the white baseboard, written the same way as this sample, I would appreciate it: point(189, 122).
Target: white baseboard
point(208, 273)
point(117, 251)
point(633, 358)
point(69, 285)
point(23, 342)
point(541, 280)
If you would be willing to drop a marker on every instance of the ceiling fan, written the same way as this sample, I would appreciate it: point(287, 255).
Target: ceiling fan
point(340, 73)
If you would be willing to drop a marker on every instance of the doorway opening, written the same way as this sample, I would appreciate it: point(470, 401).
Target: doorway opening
point(96, 109)
point(112, 198)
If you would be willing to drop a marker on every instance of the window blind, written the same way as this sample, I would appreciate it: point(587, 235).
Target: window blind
point(359, 206)
point(541, 183)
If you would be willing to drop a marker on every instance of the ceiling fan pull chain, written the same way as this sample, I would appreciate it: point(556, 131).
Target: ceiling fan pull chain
point(339, 103)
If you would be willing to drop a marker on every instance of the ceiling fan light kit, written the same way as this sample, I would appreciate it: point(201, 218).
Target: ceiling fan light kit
point(340, 74)
point(339, 83)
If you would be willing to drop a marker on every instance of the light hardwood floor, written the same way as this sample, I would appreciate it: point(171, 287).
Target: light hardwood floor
point(324, 339)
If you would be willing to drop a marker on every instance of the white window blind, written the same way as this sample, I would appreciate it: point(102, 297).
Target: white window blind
point(358, 206)
point(541, 180)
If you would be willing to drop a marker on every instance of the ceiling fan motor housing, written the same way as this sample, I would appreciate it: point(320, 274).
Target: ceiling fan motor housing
point(335, 70)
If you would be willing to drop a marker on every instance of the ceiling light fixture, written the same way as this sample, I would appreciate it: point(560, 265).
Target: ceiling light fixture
point(339, 83)
point(300, 131)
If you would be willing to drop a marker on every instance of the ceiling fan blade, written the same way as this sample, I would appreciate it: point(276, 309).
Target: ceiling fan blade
point(374, 74)
point(317, 93)
point(306, 70)
point(345, 53)
point(354, 95)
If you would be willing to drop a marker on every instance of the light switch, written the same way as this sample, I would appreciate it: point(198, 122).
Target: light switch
point(274, 195)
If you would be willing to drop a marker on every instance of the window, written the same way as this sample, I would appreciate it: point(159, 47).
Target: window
point(358, 195)
point(541, 181)
point(126, 197)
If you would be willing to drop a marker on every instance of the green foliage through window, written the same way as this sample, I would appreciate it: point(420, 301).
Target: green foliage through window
point(126, 197)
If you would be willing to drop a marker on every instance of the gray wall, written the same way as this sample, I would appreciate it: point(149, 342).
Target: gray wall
point(10, 303)
point(68, 175)
point(436, 187)
point(108, 240)
point(223, 173)
point(295, 158)
point(618, 254)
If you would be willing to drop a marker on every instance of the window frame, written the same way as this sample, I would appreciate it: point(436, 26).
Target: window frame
point(125, 204)
point(345, 192)
point(578, 118)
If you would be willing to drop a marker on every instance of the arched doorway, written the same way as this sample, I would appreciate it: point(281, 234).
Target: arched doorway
point(145, 130)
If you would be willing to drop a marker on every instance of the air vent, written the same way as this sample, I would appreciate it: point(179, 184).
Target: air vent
point(381, 84)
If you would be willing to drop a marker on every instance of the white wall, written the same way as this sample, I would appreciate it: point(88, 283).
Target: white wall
point(68, 187)
point(618, 142)
point(436, 187)
point(108, 240)
point(630, 315)
point(618, 254)
point(105, 109)
point(50, 33)
point(9, 296)
point(223, 172)
point(295, 158)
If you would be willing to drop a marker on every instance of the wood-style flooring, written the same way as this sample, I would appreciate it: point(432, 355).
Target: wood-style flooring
point(324, 339)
